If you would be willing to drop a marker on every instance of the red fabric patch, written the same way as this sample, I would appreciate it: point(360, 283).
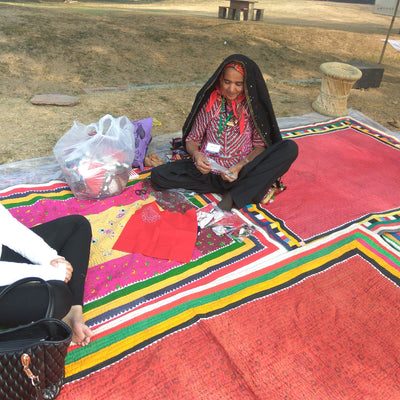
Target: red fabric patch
point(160, 234)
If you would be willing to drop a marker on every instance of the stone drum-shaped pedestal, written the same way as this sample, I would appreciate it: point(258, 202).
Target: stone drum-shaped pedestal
point(337, 81)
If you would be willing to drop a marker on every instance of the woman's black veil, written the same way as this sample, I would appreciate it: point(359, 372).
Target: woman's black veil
point(257, 97)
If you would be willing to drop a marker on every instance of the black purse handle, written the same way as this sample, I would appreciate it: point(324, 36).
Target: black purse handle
point(50, 306)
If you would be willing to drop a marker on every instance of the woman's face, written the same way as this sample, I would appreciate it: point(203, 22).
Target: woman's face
point(232, 83)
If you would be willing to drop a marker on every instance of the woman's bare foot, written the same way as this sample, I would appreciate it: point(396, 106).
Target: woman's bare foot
point(81, 333)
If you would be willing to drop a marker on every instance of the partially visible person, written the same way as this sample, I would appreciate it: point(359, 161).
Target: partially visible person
point(233, 139)
point(56, 251)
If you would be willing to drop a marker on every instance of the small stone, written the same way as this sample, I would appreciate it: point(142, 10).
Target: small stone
point(395, 123)
point(54, 100)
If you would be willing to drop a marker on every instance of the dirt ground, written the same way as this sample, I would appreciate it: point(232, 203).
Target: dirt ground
point(158, 53)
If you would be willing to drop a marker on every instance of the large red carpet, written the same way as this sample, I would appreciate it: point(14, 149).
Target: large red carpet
point(339, 177)
point(345, 173)
point(306, 307)
point(323, 331)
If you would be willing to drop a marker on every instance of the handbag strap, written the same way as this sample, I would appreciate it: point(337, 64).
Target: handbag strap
point(50, 306)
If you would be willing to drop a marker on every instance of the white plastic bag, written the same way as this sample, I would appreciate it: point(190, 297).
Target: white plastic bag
point(96, 159)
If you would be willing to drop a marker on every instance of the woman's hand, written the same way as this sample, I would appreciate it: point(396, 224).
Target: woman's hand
point(199, 159)
point(232, 173)
point(201, 162)
point(61, 262)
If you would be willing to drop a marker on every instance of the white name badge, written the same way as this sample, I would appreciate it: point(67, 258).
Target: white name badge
point(213, 148)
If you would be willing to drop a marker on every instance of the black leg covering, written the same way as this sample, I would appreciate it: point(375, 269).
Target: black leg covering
point(253, 182)
point(260, 174)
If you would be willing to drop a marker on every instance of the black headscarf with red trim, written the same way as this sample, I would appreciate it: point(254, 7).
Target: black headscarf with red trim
point(257, 97)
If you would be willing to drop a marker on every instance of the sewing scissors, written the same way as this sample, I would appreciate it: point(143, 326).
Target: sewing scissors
point(141, 192)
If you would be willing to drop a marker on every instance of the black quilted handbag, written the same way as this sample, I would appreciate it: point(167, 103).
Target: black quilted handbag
point(32, 357)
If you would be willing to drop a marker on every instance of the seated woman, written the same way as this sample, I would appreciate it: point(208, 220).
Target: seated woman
point(56, 251)
point(233, 139)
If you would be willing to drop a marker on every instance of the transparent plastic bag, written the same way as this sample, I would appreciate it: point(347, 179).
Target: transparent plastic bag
point(96, 159)
point(223, 222)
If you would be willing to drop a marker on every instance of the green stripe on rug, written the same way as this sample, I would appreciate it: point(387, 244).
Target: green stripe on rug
point(159, 278)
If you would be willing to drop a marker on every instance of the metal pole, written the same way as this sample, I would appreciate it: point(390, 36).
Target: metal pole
point(390, 29)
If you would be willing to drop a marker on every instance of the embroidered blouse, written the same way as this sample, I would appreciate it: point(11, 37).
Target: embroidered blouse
point(207, 128)
point(25, 242)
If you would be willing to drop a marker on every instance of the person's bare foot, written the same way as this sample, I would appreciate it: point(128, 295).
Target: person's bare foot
point(81, 333)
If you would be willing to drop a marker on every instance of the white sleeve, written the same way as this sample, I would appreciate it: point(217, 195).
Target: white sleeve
point(11, 272)
point(22, 240)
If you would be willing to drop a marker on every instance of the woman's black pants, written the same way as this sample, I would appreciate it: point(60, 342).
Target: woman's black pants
point(71, 237)
point(253, 181)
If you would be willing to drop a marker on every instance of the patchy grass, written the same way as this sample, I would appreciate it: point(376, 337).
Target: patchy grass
point(54, 47)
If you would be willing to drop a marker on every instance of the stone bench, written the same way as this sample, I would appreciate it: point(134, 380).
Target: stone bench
point(227, 12)
point(222, 12)
point(258, 14)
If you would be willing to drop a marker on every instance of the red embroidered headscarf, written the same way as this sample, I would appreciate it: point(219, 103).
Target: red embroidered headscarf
point(217, 94)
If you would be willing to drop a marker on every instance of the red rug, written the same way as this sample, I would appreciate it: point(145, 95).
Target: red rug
point(316, 322)
point(274, 315)
point(333, 335)
point(344, 172)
